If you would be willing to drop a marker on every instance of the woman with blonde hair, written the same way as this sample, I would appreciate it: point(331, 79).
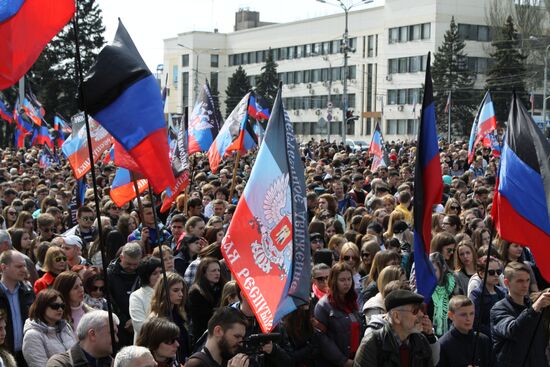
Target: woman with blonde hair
point(375, 305)
point(55, 263)
point(465, 259)
point(350, 256)
point(369, 248)
point(172, 307)
point(335, 244)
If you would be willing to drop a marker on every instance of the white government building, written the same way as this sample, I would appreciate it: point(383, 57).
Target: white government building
point(386, 69)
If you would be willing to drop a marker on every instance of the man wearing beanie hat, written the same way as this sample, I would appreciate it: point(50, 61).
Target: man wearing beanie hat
point(397, 341)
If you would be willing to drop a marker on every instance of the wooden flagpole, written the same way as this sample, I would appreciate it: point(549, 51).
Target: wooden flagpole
point(234, 178)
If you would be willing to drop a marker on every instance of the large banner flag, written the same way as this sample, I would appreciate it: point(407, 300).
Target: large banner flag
point(180, 166)
point(266, 245)
point(236, 134)
point(124, 97)
point(428, 190)
point(485, 123)
point(26, 27)
point(75, 147)
point(377, 150)
point(122, 188)
point(204, 122)
point(521, 204)
point(5, 112)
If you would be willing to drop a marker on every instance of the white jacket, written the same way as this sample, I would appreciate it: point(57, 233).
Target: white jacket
point(140, 307)
point(41, 341)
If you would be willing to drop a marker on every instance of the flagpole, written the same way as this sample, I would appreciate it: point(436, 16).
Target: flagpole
point(94, 183)
point(138, 197)
point(449, 127)
point(234, 178)
point(162, 266)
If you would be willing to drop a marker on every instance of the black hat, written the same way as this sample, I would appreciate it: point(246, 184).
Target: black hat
point(401, 297)
point(399, 227)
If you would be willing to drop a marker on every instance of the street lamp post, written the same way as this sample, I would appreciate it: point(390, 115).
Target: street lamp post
point(345, 49)
point(545, 85)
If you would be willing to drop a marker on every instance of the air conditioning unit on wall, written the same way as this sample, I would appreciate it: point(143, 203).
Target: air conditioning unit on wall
point(389, 77)
point(400, 108)
point(308, 86)
point(311, 91)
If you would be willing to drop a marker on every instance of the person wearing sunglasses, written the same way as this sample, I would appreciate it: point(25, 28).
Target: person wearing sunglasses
point(55, 263)
point(319, 283)
point(350, 255)
point(399, 333)
point(94, 288)
point(46, 332)
point(485, 299)
point(161, 337)
point(85, 217)
point(45, 224)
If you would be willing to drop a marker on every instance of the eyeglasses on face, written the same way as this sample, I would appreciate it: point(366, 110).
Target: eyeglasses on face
point(60, 258)
point(365, 255)
point(171, 341)
point(56, 306)
point(414, 310)
point(87, 219)
point(455, 207)
point(494, 272)
point(97, 289)
point(450, 250)
point(321, 279)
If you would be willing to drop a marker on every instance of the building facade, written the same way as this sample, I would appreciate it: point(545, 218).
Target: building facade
point(389, 43)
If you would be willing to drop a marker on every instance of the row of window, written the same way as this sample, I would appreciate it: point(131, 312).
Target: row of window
point(474, 32)
point(479, 65)
point(214, 60)
point(402, 127)
point(411, 64)
point(316, 102)
point(408, 33)
point(317, 75)
point(291, 52)
point(404, 96)
point(316, 128)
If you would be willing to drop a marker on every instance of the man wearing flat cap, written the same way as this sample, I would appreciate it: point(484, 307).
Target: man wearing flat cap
point(397, 340)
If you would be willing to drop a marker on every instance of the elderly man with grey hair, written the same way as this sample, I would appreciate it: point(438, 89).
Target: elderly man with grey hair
point(5, 240)
point(134, 356)
point(94, 347)
point(123, 280)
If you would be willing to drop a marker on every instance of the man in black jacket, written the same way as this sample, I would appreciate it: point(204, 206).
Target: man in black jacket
point(15, 297)
point(123, 280)
point(517, 331)
point(398, 343)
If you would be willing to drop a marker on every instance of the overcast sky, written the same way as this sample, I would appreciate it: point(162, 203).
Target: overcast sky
point(149, 22)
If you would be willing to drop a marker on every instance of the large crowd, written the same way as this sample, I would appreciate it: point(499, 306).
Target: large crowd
point(364, 310)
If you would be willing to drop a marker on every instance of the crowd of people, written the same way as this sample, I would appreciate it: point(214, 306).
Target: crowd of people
point(364, 310)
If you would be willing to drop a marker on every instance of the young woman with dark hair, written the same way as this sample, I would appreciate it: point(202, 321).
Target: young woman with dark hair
point(205, 294)
point(338, 318)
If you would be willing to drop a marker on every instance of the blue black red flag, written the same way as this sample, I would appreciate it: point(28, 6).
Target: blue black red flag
point(122, 188)
point(62, 130)
point(41, 136)
point(377, 150)
point(428, 189)
point(521, 204)
point(484, 123)
point(204, 122)
point(258, 108)
point(236, 134)
point(26, 27)
point(266, 245)
point(123, 96)
point(75, 148)
point(5, 114)
point(23, 127)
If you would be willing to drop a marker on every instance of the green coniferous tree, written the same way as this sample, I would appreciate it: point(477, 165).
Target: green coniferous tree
point(53, 77)
point(450, 73)
point(267, 83)
point(237, 87)
point(507, 74)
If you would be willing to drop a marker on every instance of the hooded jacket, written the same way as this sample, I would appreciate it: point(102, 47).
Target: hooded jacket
point(41, 341)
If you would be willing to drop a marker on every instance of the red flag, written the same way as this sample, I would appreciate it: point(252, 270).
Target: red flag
point(26, 27)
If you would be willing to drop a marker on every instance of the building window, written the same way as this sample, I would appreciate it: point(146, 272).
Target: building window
point(392, 97)
point(185, 60)
point(403, 34)
point(326, 48)
point(185, 89)
point(393, 35)
point(214, 60)
point(214, 80)
point(412, 127)
point(336, 46)
point(474, 32)
point(370, 46)
point(426, 31)
point(393, 66)
point(175, 76)
point(415, 32)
